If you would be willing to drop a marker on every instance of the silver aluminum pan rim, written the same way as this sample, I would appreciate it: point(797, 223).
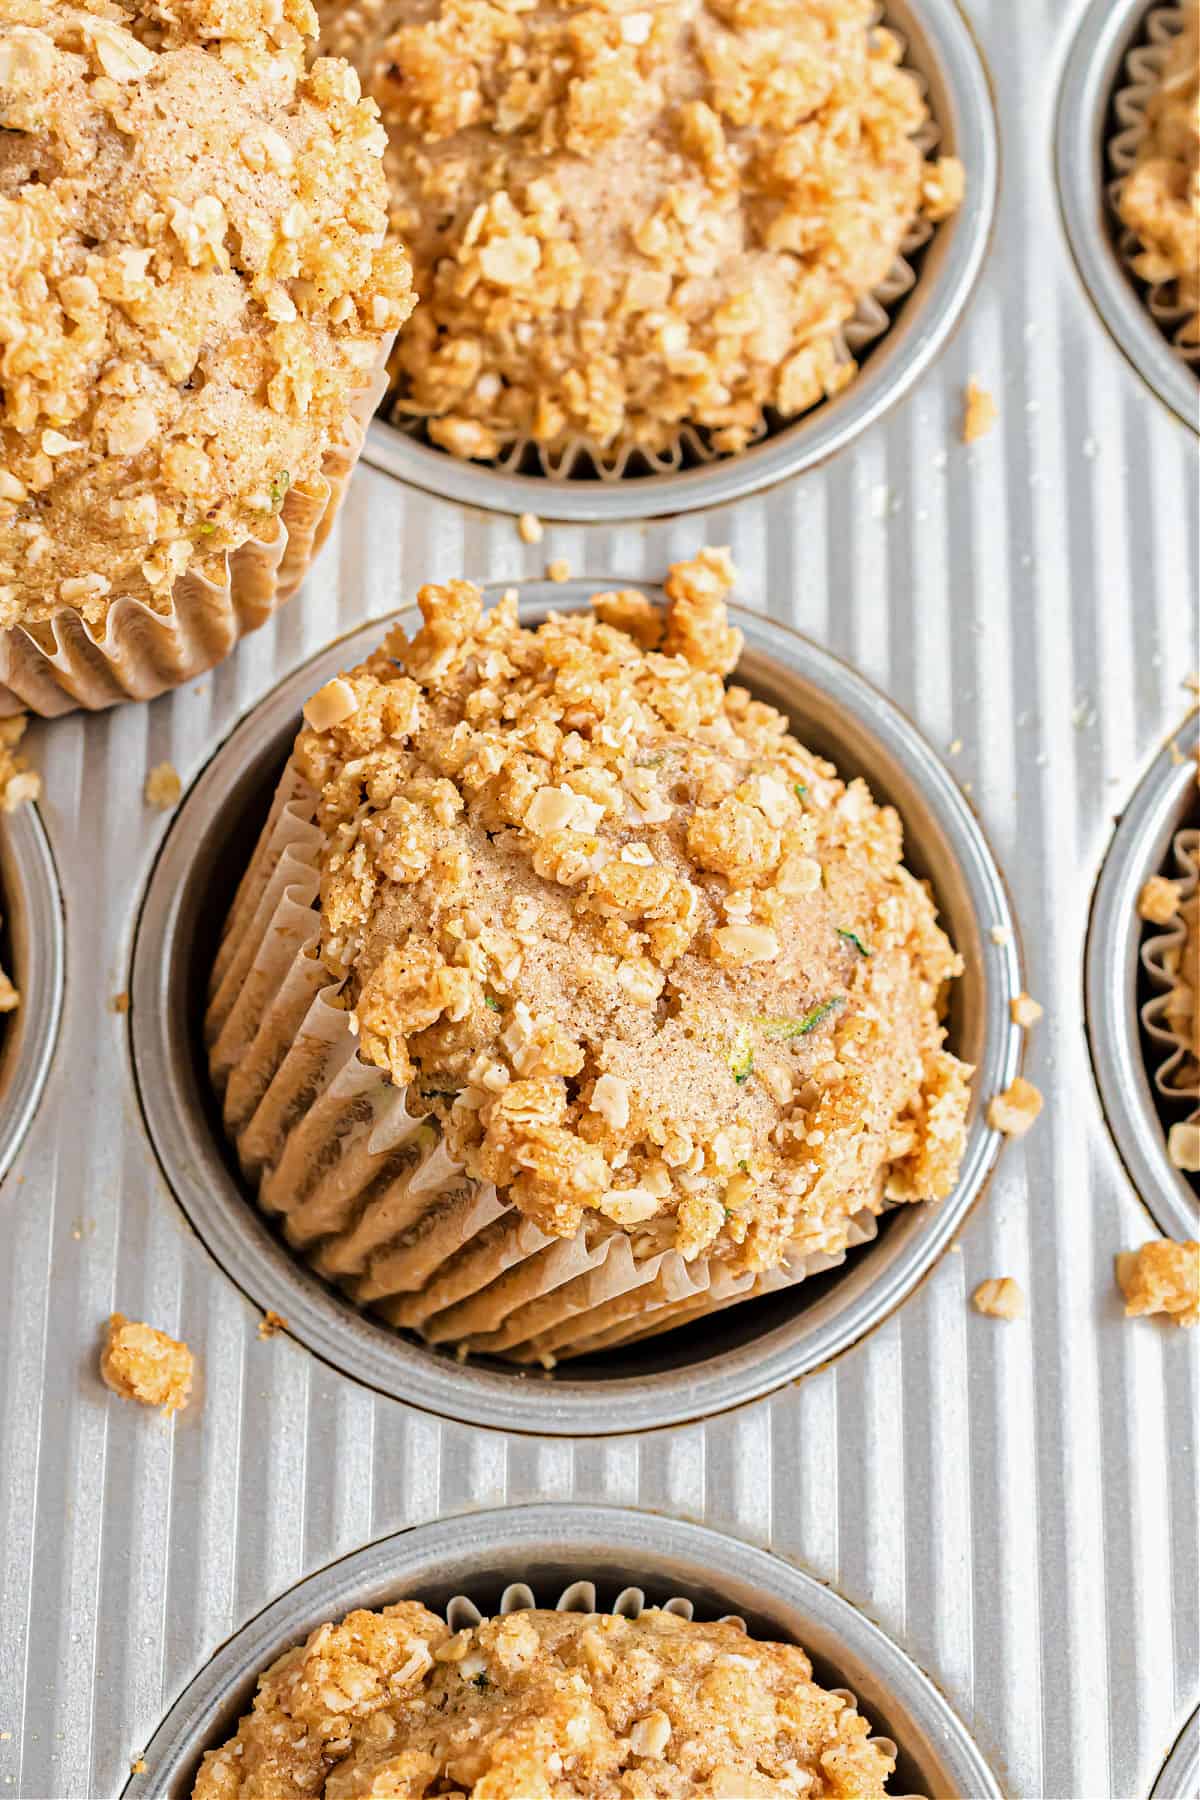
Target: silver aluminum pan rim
point(33, 913)
point(1138, 850)
point(549, 1546)
point(1180, 1776)
point(941, 48)
point(941, 831)
point(1092, 71)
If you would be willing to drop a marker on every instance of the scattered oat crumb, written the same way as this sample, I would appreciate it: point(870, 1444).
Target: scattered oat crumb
point(1000, 1298)
point(138, 1766)
point(1158, 901)
point(1016, 1109)
point(1000, 934)
point(271, 1324)
point(163, 786)
point(1183, 1145)
point(558, 570)
point(18, 782)
point(955, 747)
point(530, 528)
point(1161, 1277)
point(1025, 1011)
point(140, 1363)
point(980, 412)
point(119, 1002)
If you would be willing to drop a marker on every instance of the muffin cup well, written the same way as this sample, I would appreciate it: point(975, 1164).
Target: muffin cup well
point(368, 1193)
point(606, 1557)
point(35, 958)
point(1141, 74)
point(1177, 1074)
point(62, 663)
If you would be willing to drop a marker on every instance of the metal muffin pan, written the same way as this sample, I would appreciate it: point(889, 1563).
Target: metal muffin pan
point(32, 909)
point(1180, 1776)
point(1093, 72)
point(718, 1362)
point(942, 50)
point(550, 1547)
point(1158, 809)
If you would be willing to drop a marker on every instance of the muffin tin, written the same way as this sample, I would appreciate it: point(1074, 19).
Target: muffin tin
point(547, 1548)
point(719, 1361)
point(940, 49)
point(1094, 73)
point(1180, 1775)
point(1013, 1505)
point(1162, 804)
point(34, 959)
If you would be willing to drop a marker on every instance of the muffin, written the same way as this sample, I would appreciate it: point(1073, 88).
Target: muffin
point(195, 303)
point(567, 996)
point(631, 222)
point(540, 1704)
point(1158, 197)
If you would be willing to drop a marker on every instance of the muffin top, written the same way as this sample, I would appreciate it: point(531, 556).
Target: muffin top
point(1159, 199)
point(193, 284)
point(651, 964)
point(542, 1706)
point(624, 217)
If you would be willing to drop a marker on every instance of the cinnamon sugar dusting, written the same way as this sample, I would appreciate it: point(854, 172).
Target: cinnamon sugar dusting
point(628, 219)
point(649, 963)
point(542, 1703)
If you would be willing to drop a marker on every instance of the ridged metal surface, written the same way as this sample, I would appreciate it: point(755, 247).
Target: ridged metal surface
point(1014, 1504)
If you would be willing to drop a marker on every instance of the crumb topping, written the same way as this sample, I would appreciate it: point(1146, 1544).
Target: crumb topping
point(999, 1298)
point(1158, 901)
point(1016, 1110)
point(980, 412)
point(163, 787)
point(140, 1363)
point(19, 784)
point(193, 283)
point(1161, 1277)
point(1159, 200)
point(649, 963)
point(625, 220)
point(544, 1704)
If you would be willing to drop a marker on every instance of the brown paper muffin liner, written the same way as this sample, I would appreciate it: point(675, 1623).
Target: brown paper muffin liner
point(584, 457)
point(368, 1194)
point(62, 663)
point(1140, 77)
point(1169, 1017)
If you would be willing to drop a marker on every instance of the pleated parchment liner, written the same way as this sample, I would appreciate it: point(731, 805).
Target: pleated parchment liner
point(62, 663)
point(1169, 1017)
point(368, 1194)
point(582, 458)
point(1140, 78)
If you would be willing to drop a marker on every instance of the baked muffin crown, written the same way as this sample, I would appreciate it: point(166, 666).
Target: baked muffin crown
point(545, 1704)
point(193, 285)
point(650, 964)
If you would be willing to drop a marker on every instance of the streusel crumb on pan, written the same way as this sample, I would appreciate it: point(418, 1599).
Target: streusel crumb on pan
point(193, 284)
point(649, 964)
point(625, 219)
point(1161, 1277)
point(544, 1706)
point(140, 1363)
point(1159, 200)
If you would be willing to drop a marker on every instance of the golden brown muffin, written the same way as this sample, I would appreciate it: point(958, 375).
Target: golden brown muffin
point(640, 959)
point(544, 1706)
point(193, 285)
point(1159, 200)
point(625, 219)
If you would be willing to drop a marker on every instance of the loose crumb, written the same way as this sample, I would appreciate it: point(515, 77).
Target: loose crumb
point(955, 747)
point(980, 412)
point(271, 1324)
point(1000, 1298)
point(1183, 1146)
point(558, 570)
point(1161, 1277)
point(140, 1363)
point(1158, 901)
point(530, 528)
point(1000, 934)
point(119, 1002)
point(19, 784)
point(138, 1766)
point(163, 787)
point(1015, 1110)
point(1025, 1011)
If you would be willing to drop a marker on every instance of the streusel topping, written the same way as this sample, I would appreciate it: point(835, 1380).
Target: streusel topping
point(1161, 1277)
point(544, 1706)
point(626, 217)
point(1159, 200)
point(193, 283)
point(647, 960)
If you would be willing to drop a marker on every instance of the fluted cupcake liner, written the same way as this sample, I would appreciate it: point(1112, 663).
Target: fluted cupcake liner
point(367, 1193)
point(61, 663)
point(1140, 78)
point(1169, 1016)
